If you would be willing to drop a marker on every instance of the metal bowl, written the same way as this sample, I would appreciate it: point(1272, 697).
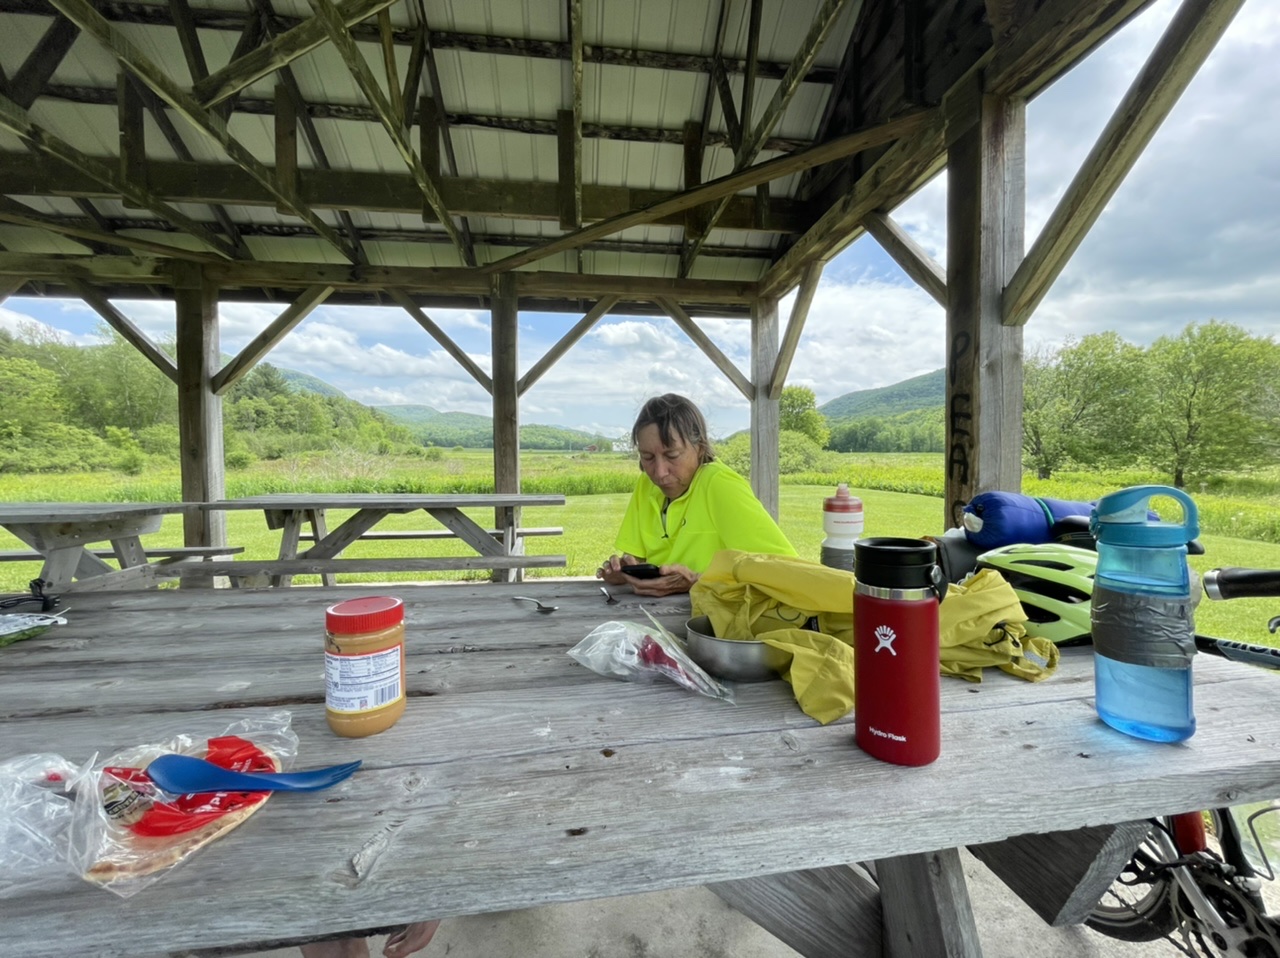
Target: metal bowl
point(738, 660)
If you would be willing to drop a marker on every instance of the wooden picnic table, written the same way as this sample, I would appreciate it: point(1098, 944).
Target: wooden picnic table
point(518, 778)
point(60, 533)
point(498, 549)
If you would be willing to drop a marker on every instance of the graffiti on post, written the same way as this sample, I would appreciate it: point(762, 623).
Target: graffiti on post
point(959, 434)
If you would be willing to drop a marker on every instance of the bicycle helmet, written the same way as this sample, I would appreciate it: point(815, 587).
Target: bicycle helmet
point(1054, 583)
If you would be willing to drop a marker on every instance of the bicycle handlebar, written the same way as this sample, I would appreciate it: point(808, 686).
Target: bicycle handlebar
point(1234, 583)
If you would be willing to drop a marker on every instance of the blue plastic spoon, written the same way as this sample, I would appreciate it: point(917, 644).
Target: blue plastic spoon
point(184, 775)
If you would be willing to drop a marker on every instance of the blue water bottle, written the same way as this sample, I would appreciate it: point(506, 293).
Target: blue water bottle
point(1142, 615)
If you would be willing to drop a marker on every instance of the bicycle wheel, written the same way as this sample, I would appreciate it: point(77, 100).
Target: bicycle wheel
point(1139, 904)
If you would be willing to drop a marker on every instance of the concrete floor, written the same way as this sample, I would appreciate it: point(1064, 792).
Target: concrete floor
point(694, 923)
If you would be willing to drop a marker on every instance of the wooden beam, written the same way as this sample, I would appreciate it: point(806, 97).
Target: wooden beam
point(20, 215)
point(121, 324)
point(1181, 51)
point(286, 129)
point(413, 74)
point(1063, 875)
point(504, 331)
point(190, 40)
point(945, 926)
point(433, 73)
point(82, 13)
point(199, 409)
point(300, 110)
point(142, 270)
point(709, 349)
point(9, 286)
point(280, 51)
point(753, 56)
point(727, 109)
point(908, 254)
point(328, 14)
point(394, 94)
point(693, 136)
point(986, 195)
point(821, 912)
point(552, 355)
point(266, 340)
point(131, 132)
point(695, 140)
point(441, 337)
point(42, 62)
point(320, 109)
point(14, 119)
point(569, 169)
point(324, 188)
point(429, 136)
point(1050, 39)
point(765, 412)
point(723, 186)
point(569, 130)
point(753, 137)
point(795, 326)
point(896, 175)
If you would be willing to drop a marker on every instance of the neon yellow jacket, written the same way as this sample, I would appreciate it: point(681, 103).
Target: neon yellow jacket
point(719, 511)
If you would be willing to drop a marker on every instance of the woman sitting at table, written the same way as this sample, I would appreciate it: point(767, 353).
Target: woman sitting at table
point(686, 506)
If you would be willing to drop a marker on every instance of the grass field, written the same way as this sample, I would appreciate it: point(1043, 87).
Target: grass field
point(596, 490)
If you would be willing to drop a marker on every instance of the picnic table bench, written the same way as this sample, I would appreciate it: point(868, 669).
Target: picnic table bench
point(500, 549)
point(61, 535)
point(518, 778)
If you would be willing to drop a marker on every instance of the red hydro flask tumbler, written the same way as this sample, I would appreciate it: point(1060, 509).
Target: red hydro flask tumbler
point(896, 712)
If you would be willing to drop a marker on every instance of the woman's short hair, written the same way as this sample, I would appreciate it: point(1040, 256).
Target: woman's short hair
point(675, 416)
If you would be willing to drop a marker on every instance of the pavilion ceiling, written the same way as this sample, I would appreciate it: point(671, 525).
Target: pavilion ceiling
point(426, 146)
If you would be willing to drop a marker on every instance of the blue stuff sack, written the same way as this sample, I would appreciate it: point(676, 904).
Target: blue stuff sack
point(995, 519)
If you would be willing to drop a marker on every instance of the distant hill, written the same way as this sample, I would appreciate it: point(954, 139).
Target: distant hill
point(310, 384)
point(473, 431)
point(919, 392)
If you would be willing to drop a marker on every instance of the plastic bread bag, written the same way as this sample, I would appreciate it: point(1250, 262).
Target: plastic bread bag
point(35, 814)
point(126, 833)
point(635, 652)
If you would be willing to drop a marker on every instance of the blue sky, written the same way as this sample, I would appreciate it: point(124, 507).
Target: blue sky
point(1192, 234)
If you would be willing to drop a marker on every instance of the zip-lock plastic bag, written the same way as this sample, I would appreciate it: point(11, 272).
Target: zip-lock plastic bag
point(635, 652)
point(35, 814)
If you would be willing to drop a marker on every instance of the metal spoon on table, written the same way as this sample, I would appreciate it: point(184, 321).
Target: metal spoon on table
point(548, 609)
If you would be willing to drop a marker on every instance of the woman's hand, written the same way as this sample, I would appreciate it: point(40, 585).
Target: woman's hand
point(611, 569)
point(674, 580)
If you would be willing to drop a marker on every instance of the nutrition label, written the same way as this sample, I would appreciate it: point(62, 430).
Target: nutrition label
point(357, 683)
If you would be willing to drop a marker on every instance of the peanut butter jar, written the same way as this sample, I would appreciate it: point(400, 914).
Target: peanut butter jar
point(364, 665)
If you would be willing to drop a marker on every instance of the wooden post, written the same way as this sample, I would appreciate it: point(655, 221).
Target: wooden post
point(506, 406)
point(764, 411)
point(986, 193)
point(199, 408)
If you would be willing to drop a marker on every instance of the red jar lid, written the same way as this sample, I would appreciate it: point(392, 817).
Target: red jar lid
point(371, 613)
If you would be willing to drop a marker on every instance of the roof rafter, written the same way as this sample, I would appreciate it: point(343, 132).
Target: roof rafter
point(180, 182)
point(82, 13)
point(267, 20)
point(122, 325)
point(333, 23)
point(14, 119)
point(753, 141)
point(724, 186)
point(446, 137)
point(281, 50)
point(19, 214)
point(50, 50)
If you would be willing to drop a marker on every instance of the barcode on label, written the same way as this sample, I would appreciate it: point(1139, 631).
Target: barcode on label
point(388, 693)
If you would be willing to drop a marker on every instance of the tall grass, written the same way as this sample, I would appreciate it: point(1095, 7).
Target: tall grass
point(901, 496)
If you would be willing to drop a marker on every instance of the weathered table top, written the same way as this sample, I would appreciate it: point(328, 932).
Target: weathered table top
point(390, 501)
point(83, 512)
point(518, 778)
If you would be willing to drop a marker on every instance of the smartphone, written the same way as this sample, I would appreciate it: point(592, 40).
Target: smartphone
point(645, 570)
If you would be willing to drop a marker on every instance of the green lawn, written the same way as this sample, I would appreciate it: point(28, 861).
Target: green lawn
point(590, 521)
